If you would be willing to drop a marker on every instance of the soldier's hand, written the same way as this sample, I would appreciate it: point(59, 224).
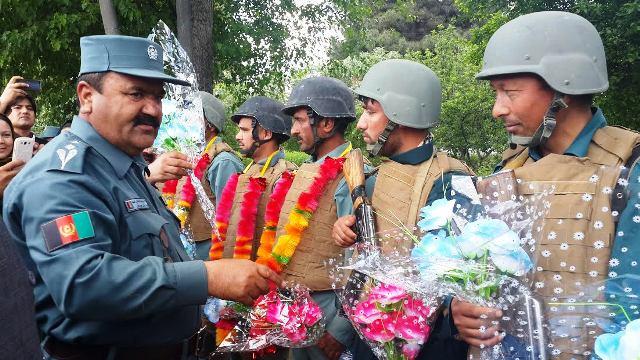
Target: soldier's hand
point(14, 89)
point(239, 280)
point(331, 347)
point(8, 171)
point(342, 233)
point(476, 325)
point(169, 166)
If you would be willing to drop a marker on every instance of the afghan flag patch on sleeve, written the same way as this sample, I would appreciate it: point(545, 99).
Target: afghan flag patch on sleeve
point(67, 229)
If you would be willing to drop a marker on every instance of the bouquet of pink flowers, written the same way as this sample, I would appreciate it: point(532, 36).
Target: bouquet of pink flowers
point(285, 317)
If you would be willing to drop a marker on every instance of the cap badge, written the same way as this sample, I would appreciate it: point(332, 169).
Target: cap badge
point(152, 52)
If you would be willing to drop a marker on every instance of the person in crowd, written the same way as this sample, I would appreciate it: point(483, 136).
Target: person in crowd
point(544, 88)
point(414, 174)
point(8, 168)
point(112, 279)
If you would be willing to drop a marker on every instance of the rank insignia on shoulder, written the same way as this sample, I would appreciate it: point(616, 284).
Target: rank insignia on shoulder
point(136, 204)
point(67, 229)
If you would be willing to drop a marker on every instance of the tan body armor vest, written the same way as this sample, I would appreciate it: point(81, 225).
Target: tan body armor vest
point(271, 175)
point(401, 191)
point(579, 229)
point(307, 264)
point(200, 226)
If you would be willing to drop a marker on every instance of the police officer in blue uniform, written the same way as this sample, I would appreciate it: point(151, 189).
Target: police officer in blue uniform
point(112, 280)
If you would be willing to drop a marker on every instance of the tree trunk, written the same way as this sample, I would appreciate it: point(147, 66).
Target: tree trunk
point(202, 42)
point(109, 17)
point(184, 23)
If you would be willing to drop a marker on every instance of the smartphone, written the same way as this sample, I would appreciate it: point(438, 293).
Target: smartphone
point(34, 85)
point(23, 148)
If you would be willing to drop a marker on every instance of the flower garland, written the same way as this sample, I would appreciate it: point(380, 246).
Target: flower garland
point(248, 213)
point(222, 217)
point(271, 218)
point(300, 215)
point(169, 192)
point(188, 192)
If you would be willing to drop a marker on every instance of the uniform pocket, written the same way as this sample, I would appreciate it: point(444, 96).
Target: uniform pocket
point(145, 229)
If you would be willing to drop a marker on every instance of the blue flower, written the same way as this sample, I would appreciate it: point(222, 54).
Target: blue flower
point(436, 215)
point(517, 262)
point(433, 248)
point(621, 345)
point(212, 309)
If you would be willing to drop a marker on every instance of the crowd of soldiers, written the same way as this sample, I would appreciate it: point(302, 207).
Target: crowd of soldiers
point(113, 281)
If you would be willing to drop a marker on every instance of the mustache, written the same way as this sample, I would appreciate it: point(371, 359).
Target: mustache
point(146, 120)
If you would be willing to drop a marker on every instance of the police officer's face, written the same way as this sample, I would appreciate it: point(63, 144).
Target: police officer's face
point(521, 102)
point(372, 121)
point(22, 114)
point(127, 113)
point(301, 130)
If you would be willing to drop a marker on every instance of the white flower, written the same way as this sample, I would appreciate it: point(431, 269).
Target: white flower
point(557, 277)
point(613, 274)
point(628, 289)
point(564, 246)
point(634, 263)
point(593, 178)
point(558, 290)
point(539, 285)
point(614, 262)
point(636, 219)
point(598, 244)
point(587, 197)
point(546, 253)
point(614, 213)
point(593, 273)
point(623, 182)
point(594, 259)
point(606, 190)
point(598, 225)
point(552, 235)
point(563, 264)
point(624, 249)
point(436, 215)
point(572, 268)
point(579, 215)
point(560, 222)
point(578, 235)
point(605, 209)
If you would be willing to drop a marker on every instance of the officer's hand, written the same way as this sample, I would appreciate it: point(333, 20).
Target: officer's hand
point(8, 171)
point(169, 166)
point(239, 280)
point(342, 233)
point(476, 325)
point(331, 347)
point(13, 89)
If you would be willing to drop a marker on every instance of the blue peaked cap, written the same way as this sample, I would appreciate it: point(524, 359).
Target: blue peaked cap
point(124, 54)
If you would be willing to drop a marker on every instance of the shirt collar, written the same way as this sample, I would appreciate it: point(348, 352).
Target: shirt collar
point(119, 160)
point(335, 153)
point(274, 160)
point(580, 145)
point(415, 156)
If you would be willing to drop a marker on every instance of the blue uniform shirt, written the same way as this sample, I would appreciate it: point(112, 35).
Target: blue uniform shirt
point(128, 284)
point(220, 170)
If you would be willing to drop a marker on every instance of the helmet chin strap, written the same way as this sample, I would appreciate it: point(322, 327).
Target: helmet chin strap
point(545, 129)
point(374, 149)
point(317, 140)
point(256, 141)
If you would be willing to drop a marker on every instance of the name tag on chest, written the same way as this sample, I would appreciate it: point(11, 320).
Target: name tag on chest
point(136, 204)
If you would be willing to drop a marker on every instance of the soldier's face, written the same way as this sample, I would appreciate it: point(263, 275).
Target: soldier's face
point(521, 102)
point(372, 121)
point(127, 112)
point(244, 137)
point(301, 130)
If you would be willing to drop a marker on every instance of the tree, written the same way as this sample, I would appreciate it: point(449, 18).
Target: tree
point(109, 17)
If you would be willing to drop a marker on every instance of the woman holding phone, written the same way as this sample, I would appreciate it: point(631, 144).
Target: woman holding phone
point(8, 168)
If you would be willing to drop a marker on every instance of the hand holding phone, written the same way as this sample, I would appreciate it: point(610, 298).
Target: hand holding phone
point(33, 85)
point(23, 148)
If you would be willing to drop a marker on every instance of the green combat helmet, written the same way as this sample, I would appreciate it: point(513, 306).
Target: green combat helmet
point(564, 49)
point(214, 110)
point(409, 93)
point(267, 113)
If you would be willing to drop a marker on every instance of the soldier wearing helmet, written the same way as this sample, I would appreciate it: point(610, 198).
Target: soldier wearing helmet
point(321, 107)
point(545, 68)
point(224, 163)
point(401, 101)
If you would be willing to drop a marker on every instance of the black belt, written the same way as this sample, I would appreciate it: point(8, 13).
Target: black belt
point(65, 351)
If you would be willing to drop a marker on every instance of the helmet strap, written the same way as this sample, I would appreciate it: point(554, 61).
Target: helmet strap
point(313, 121)
point(374, 149)
point(544, 131)
point(256, 140)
